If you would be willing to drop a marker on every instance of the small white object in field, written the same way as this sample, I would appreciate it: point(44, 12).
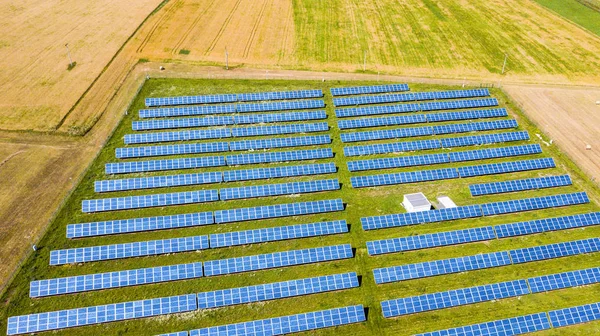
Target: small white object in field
point(597, 102)
point(551, 141)
point(162, 67)
point(546, 143)
point(588, 147)
point(539, 136)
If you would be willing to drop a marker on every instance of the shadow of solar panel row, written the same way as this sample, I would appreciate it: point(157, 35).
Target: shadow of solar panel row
point(547, 224)
point(280, 106)
point(278, 210)
point(277, 233)
point(465, 115)
point(398, 162)
point(169, 164)
point(407, 177)
point(280, 142)
point(575, 315)
point(158, 182)
point(536, 203)
point(309, 154)
point(187, 111)
point(278, 172)
point(439, 267)
point(289, 324)
point(552, 251)
point(100, 314)
point(510, 326)
point(576, 278)
point(484, 139)
point(279, 129)
point(453, 298)
point(475, 126)
point(141, 138)
point(387, 121)
point(149, 201)
point(128, 250)
point(519, 185)
point(139, 224)
point(276, 290)
point(194, 148)
point(230, 98)
point(278, 189)
point(405, 108)
point(494, 153)
point(395, 147)
point(370, 89)
point(506, 167)
point(413, 96)
point(430, 240)
point(413, 218)
point(99, 281)
point(277, 259)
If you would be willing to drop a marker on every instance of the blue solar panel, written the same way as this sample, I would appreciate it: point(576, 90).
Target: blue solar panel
point(278, 210)
point(398, 162)
point(484, 139)
point(157, 182)
point(394, 147)
point(141, 138)
point(354, 90)
point(547, 224)
point(575, 315)
point(387, 121)
point(99, 314)
point(535, 203)
point(403, 108)
point(576, 278)
point(439, 267)
point(280, 106)
point(464, 115)
point(429, 240)
point(189, 100)
point(387, 134)
point(170, 164)
point(289, 324)
point(413, 96)
point(520, 185)
point(279, 117)
point(277, 290)
point(147, 125)
point(139, 224)
point(507, 327)
point(280, 142)
point(128, 250)
point(187, 111)
point(552, 251)
point(308, 154)
point(277, 233)
point(277, 259)
point(279, 129)
point(194, 148)
point(277, 172)
point(506, 167)
point(98, 281)
point(289, 188)
point(401, 178)
point(148, 201)
point(279, 95)
point(179, 333)
point(493, 153)
point(452, 298)
point(413, 218)
point(475, 126)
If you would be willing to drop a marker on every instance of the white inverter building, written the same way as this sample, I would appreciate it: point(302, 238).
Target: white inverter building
point(416, 202)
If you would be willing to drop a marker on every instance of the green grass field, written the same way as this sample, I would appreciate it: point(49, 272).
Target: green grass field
point(360, 203)
point(585, 13)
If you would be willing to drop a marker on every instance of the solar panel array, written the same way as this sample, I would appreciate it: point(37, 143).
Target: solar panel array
point(158, 182)
point(179, 149)
point(289, 324)
point(279, 189)
point(386, 121)
point(308, 154)
point(494, 153)
point(280, 106)
point(187, 111)
point(231, 98)
point(277, 290)
point(404, 108)
point(148, 201)
point(169, 164)
point(280, 142)
point(400, 178)
point(551, 251)
point(519, 185)
point(128, 250)
point(277, 259)
point(576, 278)
point(141, 138)
point(279, 129)
point(464, 115)
point(387, 134)
point(355, 90)
point(547, 224)
point(98, 281)
point(405, 97)
point(278, 210)
point(99, 314)
point(510, 326)
point(412, 218)
point(484, 139)
point(575, 315)
point(475, 126)
point(277, 233)
point(506, 167)
point(398, 162)
point(277, 172)
point(536, 203)
point(394, 147)
point(452, 298)
point(298, 94)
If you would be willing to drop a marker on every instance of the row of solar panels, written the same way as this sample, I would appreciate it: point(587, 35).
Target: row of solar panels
point(219, 133)
point(202, 196)
point(231, 98)
point(413, 96)
point(216, 161)
point(371, 89)
point(231, 108)
point(471, 211)
point(451, 173)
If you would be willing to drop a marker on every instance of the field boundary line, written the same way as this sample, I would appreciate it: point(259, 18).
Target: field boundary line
point(596, 36)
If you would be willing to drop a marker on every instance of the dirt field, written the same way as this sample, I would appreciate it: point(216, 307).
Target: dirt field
point(569, 116)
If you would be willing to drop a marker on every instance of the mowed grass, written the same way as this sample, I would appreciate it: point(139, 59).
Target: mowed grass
point(435, 37)
point(585, 13)
point(360, 203)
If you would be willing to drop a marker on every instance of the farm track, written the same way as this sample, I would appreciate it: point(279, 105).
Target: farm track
point(223, 27)
point(191, 28)
point(254, 29)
